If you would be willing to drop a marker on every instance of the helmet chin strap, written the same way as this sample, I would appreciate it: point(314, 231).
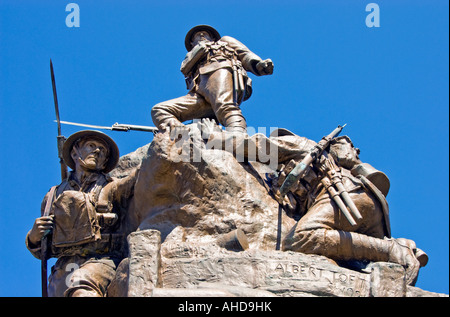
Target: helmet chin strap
point(86, 167)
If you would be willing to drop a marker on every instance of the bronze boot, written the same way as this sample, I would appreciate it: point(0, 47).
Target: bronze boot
point(343, 246)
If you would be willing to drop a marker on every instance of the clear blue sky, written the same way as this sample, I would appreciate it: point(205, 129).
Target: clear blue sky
point(389, 84)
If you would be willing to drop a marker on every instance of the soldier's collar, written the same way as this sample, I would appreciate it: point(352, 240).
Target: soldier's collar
point(86, 182)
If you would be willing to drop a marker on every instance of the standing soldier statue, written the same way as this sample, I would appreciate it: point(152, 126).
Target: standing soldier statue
point(83, 221)
point(215, 70)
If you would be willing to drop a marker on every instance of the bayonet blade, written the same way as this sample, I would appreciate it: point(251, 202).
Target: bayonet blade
point(60, 138)
point(115, 127)
point(86, 125)
point(55, 96)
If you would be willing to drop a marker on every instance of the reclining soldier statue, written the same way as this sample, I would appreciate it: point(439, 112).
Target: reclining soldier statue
point(322, 228)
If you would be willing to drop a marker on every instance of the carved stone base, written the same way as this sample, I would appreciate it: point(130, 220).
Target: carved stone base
point(185, 270)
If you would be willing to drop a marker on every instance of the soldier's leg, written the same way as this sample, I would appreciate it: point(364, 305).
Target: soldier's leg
point(172, 113)
point(323, 231)
point(57, 280)
point(217, 88)
point(91, 279)
point(258, 147)
point(344, 245)
point(324, 213)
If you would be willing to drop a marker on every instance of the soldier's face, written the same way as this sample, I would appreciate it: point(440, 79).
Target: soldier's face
point(93, 154)
point(201, 36)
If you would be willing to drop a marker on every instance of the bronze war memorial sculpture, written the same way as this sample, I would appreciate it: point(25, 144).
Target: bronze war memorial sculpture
point(207, 209)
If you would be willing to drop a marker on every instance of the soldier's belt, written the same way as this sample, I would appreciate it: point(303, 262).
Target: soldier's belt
point(209, 67)
point(109, 244)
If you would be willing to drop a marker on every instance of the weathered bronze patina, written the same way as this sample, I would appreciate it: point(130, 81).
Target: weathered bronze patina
point(216, 210)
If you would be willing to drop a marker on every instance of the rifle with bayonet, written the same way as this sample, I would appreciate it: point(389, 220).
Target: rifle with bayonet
point(332, 178)
point(116, 127)
point(60, 142)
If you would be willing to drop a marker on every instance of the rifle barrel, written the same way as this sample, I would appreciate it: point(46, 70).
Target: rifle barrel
point(127, 127)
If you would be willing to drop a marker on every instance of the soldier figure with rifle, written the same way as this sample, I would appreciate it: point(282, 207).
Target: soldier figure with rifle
point(84, 218)
point(81, 220)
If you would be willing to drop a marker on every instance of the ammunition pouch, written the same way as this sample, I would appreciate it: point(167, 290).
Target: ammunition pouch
point(75, 219)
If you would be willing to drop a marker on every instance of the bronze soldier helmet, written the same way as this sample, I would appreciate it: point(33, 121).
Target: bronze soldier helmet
point(212, 31)
point(113, 157)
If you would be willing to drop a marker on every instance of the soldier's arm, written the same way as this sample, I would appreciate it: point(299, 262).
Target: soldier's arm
point(40, 226)
point(193, 57)
point(119, 190)
point(251, 62)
